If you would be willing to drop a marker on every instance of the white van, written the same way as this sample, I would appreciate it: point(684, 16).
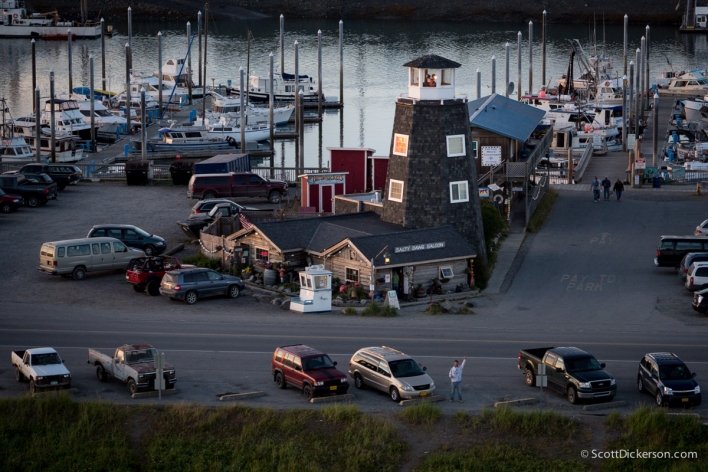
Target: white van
point(75, 257)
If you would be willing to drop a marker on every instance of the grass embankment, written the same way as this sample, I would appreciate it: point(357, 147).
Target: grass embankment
point(425, 414)
point(542, 211)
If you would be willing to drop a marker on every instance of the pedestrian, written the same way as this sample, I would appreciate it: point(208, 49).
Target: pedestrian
point(395, 279)
point(606, 184)
point(595, 186)
point(456, 379)
point(618, 188)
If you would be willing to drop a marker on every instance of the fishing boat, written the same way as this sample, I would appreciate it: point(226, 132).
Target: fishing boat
point(690, 84)
point(229, 130)
point(67, 118)
point(66, 148)
point(170, 94)
point(175, 73)
point(586, 126)
point(119, 101)
point(231, 108)
point(15, 23)
point(13, 148)
point(183, 139)
point(284, 87)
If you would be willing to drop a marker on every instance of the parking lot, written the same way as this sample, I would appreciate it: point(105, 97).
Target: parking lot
point(587, 280)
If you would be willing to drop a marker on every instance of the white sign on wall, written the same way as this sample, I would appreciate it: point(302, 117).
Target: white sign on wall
point(491, 156)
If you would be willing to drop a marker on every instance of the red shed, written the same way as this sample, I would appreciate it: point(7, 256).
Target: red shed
point(366, 171)
point(318, 190)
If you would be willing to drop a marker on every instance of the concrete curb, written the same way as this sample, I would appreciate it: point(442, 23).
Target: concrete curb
point(333, 398)
point(153, 393)
point(241, 396)
point(259, 289)
point(519, 402)
point(604, 406)
point(57, 392)
point(443, 298)
point(418, 401)
point(694, 415)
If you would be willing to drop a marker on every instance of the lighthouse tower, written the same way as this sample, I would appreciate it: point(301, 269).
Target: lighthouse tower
point(432, 177)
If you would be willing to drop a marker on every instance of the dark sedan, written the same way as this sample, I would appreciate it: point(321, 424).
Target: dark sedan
point(205, 206)
point(131, 236)
point(10, 202)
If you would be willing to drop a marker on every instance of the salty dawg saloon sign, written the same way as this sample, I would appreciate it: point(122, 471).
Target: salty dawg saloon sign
point(419, 247)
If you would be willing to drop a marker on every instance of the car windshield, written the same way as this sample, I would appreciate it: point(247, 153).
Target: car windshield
point(142, 233)
point(582, 364)
point(141, 355)
point(405, 368)
point(674, 372)
point(317, 362)
point(46, 359)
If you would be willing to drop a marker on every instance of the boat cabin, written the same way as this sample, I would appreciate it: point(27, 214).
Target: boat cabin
point(315, 291)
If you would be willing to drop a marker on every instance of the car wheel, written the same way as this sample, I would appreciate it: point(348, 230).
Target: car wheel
point(149, 250)
point(208, 196)
point(33, 202)
point(132, 387)
point(101, 373)
point(18, 375)
point(191, 297)
point(152, 288)
point(572, 395)
point(359, 382)
point(274, 197)
point(79, 273)
point(280, 381)
point(308, 392)
point(33, 387)
point(530, 378)
point(139, 288)
point(395, 396)
point(640, 384)
point(659, 399)
point(234, 291)
point(6, 208)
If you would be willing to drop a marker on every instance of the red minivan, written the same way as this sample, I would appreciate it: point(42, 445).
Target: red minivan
point(236, 184)
point(308, 370)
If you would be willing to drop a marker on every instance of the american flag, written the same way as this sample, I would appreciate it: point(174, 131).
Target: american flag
point(245, 224)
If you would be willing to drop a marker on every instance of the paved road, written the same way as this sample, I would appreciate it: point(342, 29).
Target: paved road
point(587, 280)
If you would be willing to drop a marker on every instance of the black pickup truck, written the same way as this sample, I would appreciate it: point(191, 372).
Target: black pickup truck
point(62, 174)
point(571, 371)
point(35, 194)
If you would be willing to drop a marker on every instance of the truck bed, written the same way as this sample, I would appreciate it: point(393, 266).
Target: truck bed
point(535, 354)
point(17, 357)
point(96, 357)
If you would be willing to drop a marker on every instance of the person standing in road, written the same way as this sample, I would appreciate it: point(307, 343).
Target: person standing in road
point(618, 188)
point(456, 379)
point(606, 184)
point(595, 186)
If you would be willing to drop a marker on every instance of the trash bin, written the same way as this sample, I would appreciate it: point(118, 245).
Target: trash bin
point(137, 172)
point(181, 171)
point(656, 182)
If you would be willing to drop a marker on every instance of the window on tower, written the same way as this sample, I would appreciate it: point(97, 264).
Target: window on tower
point(456, 145)
point(415, 76)
point(459, 192)
point(446, 77)
point(395, 191)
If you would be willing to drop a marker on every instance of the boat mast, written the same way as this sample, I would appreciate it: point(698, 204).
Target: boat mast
point(248, 73)
point(206, 34)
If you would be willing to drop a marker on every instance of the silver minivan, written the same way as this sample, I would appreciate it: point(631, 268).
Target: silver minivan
point(75, 257)
point(390, 371)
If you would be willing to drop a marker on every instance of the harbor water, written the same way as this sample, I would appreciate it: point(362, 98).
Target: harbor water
point(374, 53)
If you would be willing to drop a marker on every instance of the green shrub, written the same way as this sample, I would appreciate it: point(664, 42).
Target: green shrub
point(351, 311)
point(200, 260)
point(374, 309)
point(425, 414)
point(542, 211)
point(493, 221)
point(530, 424)
point(482, 273)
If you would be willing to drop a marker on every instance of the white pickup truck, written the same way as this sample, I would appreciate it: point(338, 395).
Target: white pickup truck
point(42, 367)
point(133, 364)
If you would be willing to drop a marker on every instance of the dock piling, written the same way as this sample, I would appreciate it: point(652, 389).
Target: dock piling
point(199, 44)
point(143, 127)
point(506, 77)
point(37, 129)
point(319, 73)
point(630, 105)
point(301, 130)
point(34, 71)
point(479, 83)
point(298, 104)
point(159, 74)
point(494, 75)
point(642, 73)
point(655, 130)
point(242, 114)
point(282, 44)
point(130, 37)
point(518, 93)
point(638, 88)
point(52, 124)
point(530, 56)
point(127, 88)
point(543, 50)
point(271, 105)
point(626, 36)
point(341, 62)
point(69, 57)
point(647, 82)
point(103, 55)
point(93, 102)
point(625, 121)
point(206, 36)
point(189, 64)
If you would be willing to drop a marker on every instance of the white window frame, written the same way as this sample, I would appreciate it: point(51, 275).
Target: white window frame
point(390, 190)
point(395, 137)
point(442, 275)
point(358, 275)
point(475, 149)
point(467, 191)
point(464, 149)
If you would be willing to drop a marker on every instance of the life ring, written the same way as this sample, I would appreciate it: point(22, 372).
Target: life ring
point(14, 16)
point(607, 84)
point(132, 130)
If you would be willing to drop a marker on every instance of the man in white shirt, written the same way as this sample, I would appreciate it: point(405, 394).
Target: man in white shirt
point(456, 379)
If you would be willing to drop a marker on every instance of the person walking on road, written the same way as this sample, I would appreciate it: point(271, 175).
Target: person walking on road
point(618, 188)
point(595, 186)
point(606, 184)
point(456, 379)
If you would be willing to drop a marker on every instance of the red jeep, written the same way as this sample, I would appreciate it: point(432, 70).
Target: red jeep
point(145, 273)
point(308, 370)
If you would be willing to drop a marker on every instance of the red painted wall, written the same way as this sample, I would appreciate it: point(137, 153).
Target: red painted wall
point(354, 162)
point(378, 170)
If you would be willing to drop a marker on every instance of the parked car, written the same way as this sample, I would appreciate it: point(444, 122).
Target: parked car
point(33, 193)
point(133, 364)
point(310, 371)
point(198, 221)
point(204, 206)
point(689, 259)
point(702, 229)
point(700, 301)
point(42, 367)
point(390, 371)
point(191, 284)
point(697, 276)
point(570, 371)
point(236, 184)
point(145, 273)
point(62, 174)
point(665, 376)
point(131, 236)
point(671, 249)
point(75, 257)
point(10, 202)
point(38, 178)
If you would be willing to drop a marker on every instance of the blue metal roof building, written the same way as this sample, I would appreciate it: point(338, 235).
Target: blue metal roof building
point(504, 116)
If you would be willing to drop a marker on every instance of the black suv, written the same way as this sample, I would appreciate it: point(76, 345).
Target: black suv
point(131, 236)
point(665, 376)
point(191, 284)
point(62, 174)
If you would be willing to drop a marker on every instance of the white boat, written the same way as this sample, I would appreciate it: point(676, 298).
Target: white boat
point(67, 118)
point(231, 108)
point(151, 84)
point(284, 87)
point(586, 126)
point(690, 84)
point(568, 137)
point(184, 139)
point(14, 149)
point(175, 71)
point(150, 105)
point(104, 120)
point(65, 144)
point(229, 130)
point(15, 23)
point(695, 108)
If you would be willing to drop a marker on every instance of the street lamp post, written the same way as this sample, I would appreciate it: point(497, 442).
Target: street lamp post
point(387, 259)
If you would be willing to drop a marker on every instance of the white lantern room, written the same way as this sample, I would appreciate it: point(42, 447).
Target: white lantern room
point(315, 291)
point(431, 77)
